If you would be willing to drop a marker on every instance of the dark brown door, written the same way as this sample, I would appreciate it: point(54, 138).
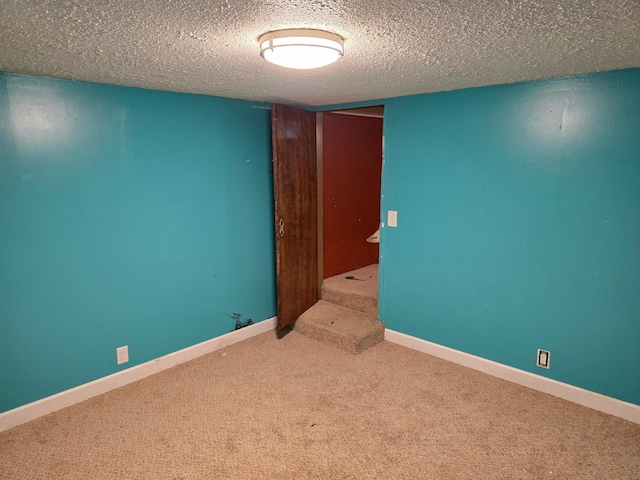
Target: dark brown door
point(296, 208)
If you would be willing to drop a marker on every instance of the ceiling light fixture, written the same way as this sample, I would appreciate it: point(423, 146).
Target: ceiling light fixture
point(301, 49)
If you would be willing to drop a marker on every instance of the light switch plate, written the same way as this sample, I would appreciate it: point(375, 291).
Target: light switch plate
point(392, 218)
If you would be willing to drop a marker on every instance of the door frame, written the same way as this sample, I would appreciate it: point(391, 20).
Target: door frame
point(320, 184)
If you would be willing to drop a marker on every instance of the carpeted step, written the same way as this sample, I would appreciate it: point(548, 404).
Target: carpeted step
point(343, 327)
point(359, 292)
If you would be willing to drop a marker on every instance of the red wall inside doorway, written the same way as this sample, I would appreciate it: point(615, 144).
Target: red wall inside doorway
point(352, 165)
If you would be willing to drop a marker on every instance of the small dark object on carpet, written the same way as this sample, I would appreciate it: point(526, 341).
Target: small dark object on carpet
point(351, 277)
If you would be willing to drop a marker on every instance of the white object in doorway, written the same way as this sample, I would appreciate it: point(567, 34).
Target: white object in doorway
point(375, 237)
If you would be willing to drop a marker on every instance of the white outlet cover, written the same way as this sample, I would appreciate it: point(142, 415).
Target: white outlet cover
point(122, 354)
point(543, 359)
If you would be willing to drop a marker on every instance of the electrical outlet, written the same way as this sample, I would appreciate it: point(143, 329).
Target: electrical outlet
point(122, 354)
point(544, 358)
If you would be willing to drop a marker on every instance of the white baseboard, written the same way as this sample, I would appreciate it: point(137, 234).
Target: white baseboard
point(47, 405)
point(587, 398)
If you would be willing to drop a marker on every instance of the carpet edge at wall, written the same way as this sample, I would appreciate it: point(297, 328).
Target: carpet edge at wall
point(44, 406)
point(586, 398)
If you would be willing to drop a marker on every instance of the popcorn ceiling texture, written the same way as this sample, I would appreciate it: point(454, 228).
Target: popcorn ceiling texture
point(392, 48)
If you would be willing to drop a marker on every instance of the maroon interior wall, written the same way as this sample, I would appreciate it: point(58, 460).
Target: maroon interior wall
point(352, 165)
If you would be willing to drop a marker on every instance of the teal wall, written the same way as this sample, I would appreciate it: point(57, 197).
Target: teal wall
point(127, 217)
point(144, 218)
point(519, 225)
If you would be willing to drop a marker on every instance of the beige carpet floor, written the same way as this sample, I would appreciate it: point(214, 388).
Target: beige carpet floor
point(359, 293)
point(295, 409)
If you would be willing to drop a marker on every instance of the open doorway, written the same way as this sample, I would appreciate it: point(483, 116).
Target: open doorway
point(351, 168)
point(321, 209)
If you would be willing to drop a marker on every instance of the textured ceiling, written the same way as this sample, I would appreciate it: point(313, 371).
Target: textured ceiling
point(392, 48)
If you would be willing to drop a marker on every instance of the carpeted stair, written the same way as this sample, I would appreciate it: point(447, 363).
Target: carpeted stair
point(347, 314)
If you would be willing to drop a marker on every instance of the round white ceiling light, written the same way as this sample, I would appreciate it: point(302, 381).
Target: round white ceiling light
point(301, 49)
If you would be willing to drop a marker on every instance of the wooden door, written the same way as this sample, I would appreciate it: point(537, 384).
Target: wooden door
point(296, 210)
